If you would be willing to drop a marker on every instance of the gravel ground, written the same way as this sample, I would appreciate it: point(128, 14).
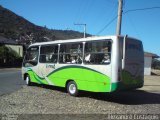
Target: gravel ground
point(51, 100)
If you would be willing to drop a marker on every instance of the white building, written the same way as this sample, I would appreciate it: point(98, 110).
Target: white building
point(148, 62)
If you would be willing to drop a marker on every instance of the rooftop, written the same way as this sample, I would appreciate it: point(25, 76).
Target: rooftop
point(148, 54)
point(4, 40)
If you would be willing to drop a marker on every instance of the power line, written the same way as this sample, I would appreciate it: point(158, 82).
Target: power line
point(140, 9)
point(107, 25)
point(111, 1)
point(132, 10)
point(104, 17)
point(124, 3)
point(79, 10)
point(82, 10)
point(133, 26)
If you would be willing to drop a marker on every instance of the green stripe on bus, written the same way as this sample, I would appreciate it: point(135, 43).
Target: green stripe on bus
point(73, 66)
point(35, 78)
point(85, 78)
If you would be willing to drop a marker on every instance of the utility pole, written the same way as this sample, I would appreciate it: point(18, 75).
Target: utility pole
point(119, 21)
point(84, 35)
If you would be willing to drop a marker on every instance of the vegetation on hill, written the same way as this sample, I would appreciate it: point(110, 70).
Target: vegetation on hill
point(21, 30)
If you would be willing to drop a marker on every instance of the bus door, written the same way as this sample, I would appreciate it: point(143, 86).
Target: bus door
point(48, 61)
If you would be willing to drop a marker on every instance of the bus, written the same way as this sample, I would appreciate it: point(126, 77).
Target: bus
point(94, 64)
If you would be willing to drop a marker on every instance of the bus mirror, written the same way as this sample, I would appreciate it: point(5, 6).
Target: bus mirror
point(33, 62)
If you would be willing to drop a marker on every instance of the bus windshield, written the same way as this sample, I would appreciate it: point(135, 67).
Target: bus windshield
point(31, 58)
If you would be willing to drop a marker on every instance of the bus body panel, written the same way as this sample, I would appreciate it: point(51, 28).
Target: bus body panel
point(86, 78)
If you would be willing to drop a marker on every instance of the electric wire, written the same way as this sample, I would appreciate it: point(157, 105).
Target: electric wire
point(132, 10)
point(107, 25)
point(112, 20)
point(141, 9)
point(84, 9)
point(112, 14)
point(133, 26)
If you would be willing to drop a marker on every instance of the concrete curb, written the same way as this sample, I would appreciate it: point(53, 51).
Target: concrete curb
point(6, 69)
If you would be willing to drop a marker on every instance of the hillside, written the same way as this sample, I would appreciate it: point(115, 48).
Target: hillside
point(21, 30)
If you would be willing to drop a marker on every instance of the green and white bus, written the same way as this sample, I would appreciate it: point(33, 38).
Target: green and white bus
point(95, 64)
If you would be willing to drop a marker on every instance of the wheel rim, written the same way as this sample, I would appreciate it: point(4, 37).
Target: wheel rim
point(72, 88)
point(27, 80)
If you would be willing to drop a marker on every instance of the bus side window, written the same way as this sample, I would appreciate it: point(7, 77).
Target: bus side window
point(54, 58)
point(97, 52)
point(43, 58)
point(70, 53)
point(48, 54)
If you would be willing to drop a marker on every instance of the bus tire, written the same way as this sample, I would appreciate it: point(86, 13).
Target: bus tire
point(28, 80)
point(72, 88)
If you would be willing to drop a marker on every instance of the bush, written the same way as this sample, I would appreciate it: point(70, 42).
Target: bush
point(156, 64)
point(9, 58)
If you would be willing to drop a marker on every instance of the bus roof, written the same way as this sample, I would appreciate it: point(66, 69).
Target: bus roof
point(77, 40)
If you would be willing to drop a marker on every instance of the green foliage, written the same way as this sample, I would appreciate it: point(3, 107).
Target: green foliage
point(156, 64)
point(5, 51)
point(9, 57)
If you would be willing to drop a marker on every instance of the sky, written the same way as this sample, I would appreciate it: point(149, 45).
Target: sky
point(96, 14)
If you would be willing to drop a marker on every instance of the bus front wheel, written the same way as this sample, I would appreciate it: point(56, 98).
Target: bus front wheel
point(28, 81)
point(72, 88)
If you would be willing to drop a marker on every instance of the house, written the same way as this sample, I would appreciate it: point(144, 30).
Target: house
point(12, 46)
point(148, 62)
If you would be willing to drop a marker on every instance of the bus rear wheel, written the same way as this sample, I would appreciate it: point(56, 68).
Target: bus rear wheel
point(72, 88)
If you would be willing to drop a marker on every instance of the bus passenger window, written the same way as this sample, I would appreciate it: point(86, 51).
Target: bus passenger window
point(97, 52)
point(70, 53)
point(48, 54)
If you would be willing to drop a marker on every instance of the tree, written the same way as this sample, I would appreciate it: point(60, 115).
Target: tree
point(156, 64)
point(9, 57)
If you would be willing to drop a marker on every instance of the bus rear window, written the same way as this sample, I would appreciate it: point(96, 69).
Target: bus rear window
point(134, 50)
point(135, 45)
